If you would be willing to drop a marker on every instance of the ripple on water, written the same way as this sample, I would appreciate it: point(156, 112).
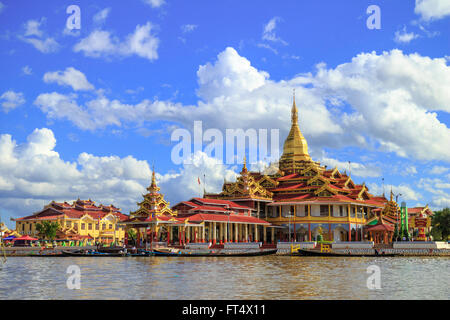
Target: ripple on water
point(269, 277)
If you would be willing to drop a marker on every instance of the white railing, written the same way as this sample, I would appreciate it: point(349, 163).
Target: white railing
point(242, 245)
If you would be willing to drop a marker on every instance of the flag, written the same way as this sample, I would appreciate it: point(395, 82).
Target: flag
point(199, 180)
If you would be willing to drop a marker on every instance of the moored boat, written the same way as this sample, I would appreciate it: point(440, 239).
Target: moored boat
point(317, 253)
point(210, 253)
point(91, 254)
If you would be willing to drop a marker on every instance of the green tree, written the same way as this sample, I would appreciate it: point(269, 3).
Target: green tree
point(132, 235)
point(396, 233)
point(47, 229)
point(440, 224)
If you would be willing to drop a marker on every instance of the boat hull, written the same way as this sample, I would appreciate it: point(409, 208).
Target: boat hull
point(316, 253)
point(213, 254)
point(96, 254)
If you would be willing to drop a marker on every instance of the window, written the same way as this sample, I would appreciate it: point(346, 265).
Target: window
point(287, 211)
point(83, 226)
point(104, 226)
point(96, 226)
point(277, 212)
point(68, 224)
point(341, 211)
point(110, 226)
point(90, 226)
point(324, 210)
point(75, 225)
point(270, 212)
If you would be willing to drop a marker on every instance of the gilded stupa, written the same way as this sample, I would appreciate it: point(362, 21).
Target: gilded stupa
point(295, 155)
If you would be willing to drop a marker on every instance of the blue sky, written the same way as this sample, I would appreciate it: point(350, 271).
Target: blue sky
point(85, 113)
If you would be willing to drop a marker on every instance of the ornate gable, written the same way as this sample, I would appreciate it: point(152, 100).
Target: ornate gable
point(325, 191)
point(317, 180)
point(246, 186)
point(349, 183)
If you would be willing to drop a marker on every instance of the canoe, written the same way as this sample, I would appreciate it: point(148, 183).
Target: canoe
point(90, 254)
point(316, 253)
point(46, 255)
point(186, 253)
point(109, 249)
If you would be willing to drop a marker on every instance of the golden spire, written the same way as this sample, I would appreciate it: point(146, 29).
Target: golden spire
point(294, 112)
point(244, 168)
point(153, 187)
point(295, 146)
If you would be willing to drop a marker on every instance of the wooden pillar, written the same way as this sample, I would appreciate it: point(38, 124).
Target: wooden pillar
point(214, 233)
point(295, 231)
point(256, 233)
point(309, 229)
point(272, 235)
point(258, 208)
point(226, 232)
point(349, 232)
point(265, 234)
point(246, 232)
point(168, 235)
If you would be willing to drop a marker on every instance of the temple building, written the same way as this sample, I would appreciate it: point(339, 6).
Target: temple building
point(81, 220)
point(380, 227)
point(304, 197)
point(194, 221)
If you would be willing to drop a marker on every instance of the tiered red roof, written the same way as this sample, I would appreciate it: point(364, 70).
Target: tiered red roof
point(200, 210)
point(76, 210)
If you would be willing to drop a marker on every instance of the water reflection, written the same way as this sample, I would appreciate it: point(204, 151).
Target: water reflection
point(270, 277)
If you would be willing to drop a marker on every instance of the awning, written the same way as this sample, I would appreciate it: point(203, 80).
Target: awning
point(26, 238)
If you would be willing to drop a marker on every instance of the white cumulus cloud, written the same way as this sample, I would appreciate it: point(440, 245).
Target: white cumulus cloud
point(432, 9)
point(142, 42)
point(11, 100)
point(69, 77)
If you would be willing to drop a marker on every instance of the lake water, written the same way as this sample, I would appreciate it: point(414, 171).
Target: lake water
point(232, 278)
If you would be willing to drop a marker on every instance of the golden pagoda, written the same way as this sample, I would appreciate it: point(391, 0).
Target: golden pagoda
point(295, 155)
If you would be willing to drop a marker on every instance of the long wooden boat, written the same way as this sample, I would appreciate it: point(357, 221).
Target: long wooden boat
point(109, 249)
point(53, 255)
point(90, 254)
point(317, 253)
point(193, 253)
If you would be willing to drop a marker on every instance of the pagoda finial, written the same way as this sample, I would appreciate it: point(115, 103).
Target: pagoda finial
point(244, 168)
point(153, 187)
point(392, 194)
point(294, 111)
